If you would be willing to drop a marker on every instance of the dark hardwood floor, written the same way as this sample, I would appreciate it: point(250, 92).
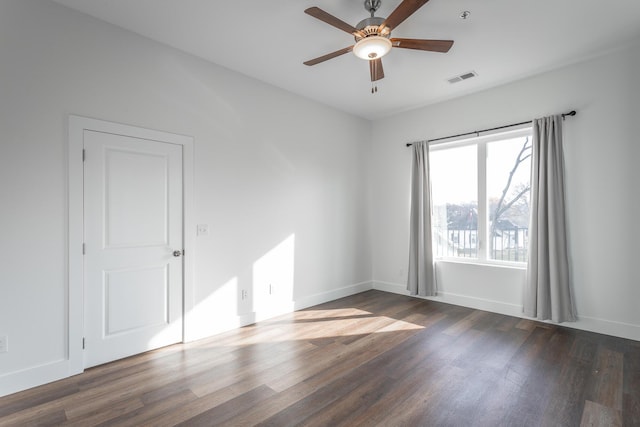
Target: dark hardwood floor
point(370, 359)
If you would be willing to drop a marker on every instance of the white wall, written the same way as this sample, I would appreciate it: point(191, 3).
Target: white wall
point(275, 175)
point(602, 175)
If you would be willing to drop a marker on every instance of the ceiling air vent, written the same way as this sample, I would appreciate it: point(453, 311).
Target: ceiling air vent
point(462, 77)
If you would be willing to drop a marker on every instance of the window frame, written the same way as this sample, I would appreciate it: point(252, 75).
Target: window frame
point(481, 141)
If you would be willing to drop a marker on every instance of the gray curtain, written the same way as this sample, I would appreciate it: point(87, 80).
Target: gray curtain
point(547, 293)
point(422, 277)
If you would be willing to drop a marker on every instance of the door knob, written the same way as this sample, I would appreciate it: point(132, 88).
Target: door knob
point(177, 253)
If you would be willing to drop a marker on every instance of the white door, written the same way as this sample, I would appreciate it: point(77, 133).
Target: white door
point(133, 245)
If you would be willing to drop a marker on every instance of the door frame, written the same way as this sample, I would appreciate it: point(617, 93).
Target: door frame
point(75, 292)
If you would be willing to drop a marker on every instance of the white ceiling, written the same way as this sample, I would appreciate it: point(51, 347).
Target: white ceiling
point(502, 40)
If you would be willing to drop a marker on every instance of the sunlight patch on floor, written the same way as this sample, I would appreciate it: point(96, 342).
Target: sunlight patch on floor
point(322, 324)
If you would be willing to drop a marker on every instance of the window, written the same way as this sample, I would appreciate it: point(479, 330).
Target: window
point(480, 189)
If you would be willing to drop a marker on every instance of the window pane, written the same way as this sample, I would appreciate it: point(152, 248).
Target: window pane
point(508, 188)
point(454, 187)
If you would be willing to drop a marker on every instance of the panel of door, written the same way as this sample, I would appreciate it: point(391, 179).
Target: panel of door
point(133, 229)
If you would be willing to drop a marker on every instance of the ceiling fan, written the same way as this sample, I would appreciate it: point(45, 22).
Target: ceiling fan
point(373, 36)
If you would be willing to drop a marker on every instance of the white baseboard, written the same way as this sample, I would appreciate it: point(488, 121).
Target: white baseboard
point(334, 294)
point(456, 299)
point(14, 382)
point(394, 288)
point(585, 323)
point(607, 327)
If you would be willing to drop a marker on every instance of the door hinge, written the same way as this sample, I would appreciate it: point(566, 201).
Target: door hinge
point(84, 249)
point(83, 343)
point(84, 155)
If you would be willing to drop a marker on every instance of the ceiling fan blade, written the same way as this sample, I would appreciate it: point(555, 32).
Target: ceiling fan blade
point(377, 72)
point(328, 56)
point(320, 14)
point(402, 12)
point(442, 46)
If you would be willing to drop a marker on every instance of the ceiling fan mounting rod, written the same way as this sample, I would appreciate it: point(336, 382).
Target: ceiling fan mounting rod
point(372, 5)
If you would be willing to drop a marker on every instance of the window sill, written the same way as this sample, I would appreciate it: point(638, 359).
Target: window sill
point(483, 263)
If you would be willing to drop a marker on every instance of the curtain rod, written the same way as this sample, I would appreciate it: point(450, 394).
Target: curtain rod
point(409, 144)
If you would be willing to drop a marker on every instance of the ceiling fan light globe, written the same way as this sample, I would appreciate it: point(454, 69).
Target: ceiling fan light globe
point(372, 47)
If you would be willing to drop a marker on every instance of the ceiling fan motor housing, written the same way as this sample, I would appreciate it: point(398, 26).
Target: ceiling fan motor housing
point(370, 27)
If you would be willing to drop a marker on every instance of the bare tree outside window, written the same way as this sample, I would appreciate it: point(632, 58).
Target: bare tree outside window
point(509, 213)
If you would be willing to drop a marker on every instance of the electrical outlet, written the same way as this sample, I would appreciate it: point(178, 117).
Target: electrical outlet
point(4, 344)
point(270, 289)
point(202, 230)
point(244, 294)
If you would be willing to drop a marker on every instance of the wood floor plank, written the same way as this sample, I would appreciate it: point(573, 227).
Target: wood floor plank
point(371, 359)
point(606, 385)
point(498, 401)
point(420, 386)
point(461, 400)
point(527, 325)
point(293, 414)
point(428, 344)
point(342, 411)
point(171, 403)
point(269, 407)
point(29, 399)
point(38, 417)
point(54, 418)
point(583, 349)
point(596, 415)
point(526, 357)
point(465, 324)
point(98, 414)
point(365, 348)
point(200, 405)
point(229, 409)
point(426, 403)
point(507, 323)
point(631, 387)
point(533, 397)
point(264, 362)
point(568, 398)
